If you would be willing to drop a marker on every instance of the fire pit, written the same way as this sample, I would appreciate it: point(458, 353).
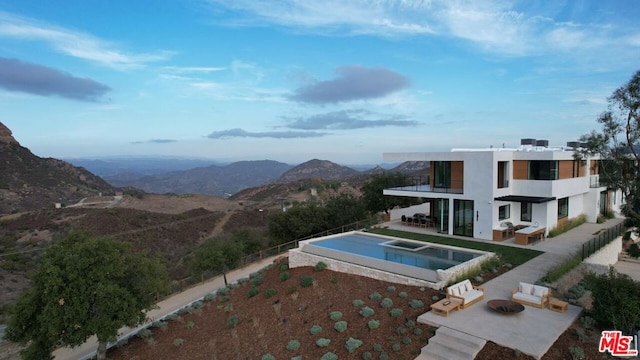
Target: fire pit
point(506, 307)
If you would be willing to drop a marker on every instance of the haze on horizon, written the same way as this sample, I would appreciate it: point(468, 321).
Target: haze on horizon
point(296, 80)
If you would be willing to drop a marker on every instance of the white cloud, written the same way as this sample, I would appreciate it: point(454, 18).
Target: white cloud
point(498, 26)
point(76, 44)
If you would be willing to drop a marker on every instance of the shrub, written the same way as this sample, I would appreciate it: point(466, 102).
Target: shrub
point(416, 304)
point(395, 347)
point(323, 342)
point(161, 324)
point(334, 279)
point(577, 353)
point(367, 311)
point(210, 297)
point(268, 357)
point(242, 280)
point(222, 291)
point(410, 324)
point(335, 315)
point(228, 307)
point(582, 335)
point(417, 331)
point(357, 303)
point(306, 281)
point(270, 292)
point(403, 294)
point(329, 356)
point(284, 267)
point(401, 330)
point(232, 321)
point(373, 324)
point(190, 325)
point(253, 291)
point(315, 330)
point(291, 290)
point(196, 304)
point(352, 345)
point(559, 271)
point(375, 296)
point(299, 357)
point(377, 347)
point(284, 276)
point(588, 322)
point(386, 303)
point(384, 356)
point(406, 340)
point(396, 312)
point(144, 333)
point(178, 341)
point(577, 221)
point(293, 345)
point(391, 288)
point(340, 326)
point(609, 291)
point(367, 356)
point(634, 250)
point(320, 266)
point(257, 280)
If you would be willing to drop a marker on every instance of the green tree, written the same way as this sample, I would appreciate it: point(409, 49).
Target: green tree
point(616, 301)
point(299, 221)
point(373, 197)
point(618, 144)
point(217, 255)
point(85, 286)
point(344, 209)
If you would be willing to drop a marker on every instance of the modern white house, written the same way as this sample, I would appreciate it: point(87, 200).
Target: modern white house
point(500, 193)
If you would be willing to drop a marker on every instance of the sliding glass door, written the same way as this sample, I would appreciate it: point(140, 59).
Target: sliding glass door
point(463, 217)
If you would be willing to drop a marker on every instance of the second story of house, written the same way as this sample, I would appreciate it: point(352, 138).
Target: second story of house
point(533, 169)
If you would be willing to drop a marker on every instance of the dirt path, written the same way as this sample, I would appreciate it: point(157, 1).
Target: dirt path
point(219, 228)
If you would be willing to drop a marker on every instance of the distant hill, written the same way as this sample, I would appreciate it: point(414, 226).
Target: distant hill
point(209, 180)
point(29, 182)
point(136, 167)
point(321, 169)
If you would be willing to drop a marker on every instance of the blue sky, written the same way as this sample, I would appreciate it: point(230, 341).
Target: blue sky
point(294, 80)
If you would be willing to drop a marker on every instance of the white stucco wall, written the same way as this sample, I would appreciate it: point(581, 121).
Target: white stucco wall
point(608, 255)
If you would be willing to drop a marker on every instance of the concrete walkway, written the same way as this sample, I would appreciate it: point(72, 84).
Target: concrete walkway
point(165, 307)
point(534, 330)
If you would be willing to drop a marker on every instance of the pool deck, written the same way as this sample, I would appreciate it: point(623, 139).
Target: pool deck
point(534, 330)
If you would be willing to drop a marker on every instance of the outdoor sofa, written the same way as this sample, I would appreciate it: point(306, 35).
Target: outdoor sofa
point(465, 293)
point(529, 294)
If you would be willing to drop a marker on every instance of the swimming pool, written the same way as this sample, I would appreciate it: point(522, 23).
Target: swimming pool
point(414, 261)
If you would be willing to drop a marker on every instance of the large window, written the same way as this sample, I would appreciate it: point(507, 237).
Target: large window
point(563, 208)
point(543, 170)
point(442, 174)
point(503, 174)
point(526, 211)
point(463, 217)
point(504, 212)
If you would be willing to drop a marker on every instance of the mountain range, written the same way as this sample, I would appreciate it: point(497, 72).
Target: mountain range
point(29, 182)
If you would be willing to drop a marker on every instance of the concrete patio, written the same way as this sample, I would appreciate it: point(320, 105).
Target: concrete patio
point(534, 330)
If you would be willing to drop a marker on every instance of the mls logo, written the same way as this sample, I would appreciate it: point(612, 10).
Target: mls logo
point(617, 344)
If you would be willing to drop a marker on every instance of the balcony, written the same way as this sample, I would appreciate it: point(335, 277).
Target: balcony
point(397, 191)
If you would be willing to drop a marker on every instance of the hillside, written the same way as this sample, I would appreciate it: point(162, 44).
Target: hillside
point(320, 169)
point(28, 182)
point(210, 180)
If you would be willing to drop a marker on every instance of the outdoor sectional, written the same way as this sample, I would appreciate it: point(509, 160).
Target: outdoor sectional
point(465, 293)
point(529, 294)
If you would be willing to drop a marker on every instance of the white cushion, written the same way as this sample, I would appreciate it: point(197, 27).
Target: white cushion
point(525, 288)
point(527, 297)
point(471, 295)
point(456, 291)
point(468, 286)
point(540, 291)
